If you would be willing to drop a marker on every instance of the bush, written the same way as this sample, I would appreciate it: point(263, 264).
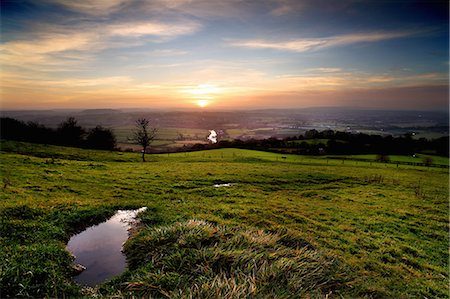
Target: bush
point(382, 158)
point(70, 133)
point(101, 138)
point(428, 161)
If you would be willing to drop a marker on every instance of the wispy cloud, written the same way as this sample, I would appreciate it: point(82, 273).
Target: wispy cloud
point(168, 52)
point(157, 8)
point(284, 7)
point(68, 46)
point(138, 29)
point(92, 82)
point(13, 80)
point(91, 7)
point(324, 70)
point(47, 50)
point(202, 9)
point(312, 44)
point(48, 43)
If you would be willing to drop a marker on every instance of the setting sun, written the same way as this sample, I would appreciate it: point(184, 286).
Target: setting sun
point(202, 103)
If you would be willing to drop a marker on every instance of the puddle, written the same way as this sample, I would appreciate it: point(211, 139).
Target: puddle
point(223, 185)
point(99, 248)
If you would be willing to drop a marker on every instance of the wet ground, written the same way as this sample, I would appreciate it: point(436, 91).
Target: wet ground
point(99, 248)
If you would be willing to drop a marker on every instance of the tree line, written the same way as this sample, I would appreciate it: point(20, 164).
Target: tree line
point(329, 142)
point(312, 142)
point(68, 133)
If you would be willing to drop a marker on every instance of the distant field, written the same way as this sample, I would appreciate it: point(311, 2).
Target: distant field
point(164, 136)
point(176, 137)
point(360, 229)
point(235, 133)
point(429, 135)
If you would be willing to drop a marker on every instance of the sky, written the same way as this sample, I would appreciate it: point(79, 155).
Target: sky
point(224, 54)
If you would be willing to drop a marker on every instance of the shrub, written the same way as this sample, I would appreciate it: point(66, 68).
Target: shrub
point(382, 158)
point(101, 138)
point(428, 161)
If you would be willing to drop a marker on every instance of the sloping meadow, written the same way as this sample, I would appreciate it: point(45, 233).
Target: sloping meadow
point(266, 226)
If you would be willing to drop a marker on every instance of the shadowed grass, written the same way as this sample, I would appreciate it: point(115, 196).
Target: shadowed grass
point(34, 259)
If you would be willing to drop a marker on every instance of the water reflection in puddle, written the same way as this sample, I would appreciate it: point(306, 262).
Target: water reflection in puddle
point(99, 248)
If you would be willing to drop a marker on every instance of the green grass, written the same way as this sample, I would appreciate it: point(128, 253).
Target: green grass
point(419, 158)
point(52, 152)
point(365, 230)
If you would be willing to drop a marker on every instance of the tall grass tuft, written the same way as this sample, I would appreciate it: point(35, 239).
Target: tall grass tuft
point(197, 259)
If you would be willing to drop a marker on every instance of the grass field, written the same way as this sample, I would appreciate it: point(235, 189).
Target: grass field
point(285, 227)
point(419, 158)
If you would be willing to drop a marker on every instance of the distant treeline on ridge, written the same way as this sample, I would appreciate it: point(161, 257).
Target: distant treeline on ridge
point(312, 142)
point(329, 142)
point(68, 133)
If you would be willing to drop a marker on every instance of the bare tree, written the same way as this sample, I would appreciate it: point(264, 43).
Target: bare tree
point(144, 134)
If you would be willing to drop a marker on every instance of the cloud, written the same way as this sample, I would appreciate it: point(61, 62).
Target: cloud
point(49, 47)
point(351, 80)
point(160, 8)
point(284, 7)
point(312, 44)
point(324, 70)
point(168, 52)
point(417, 97)
point(91, 82)
point(48, 44)
point(241, 79)
point(203, 9)
point(91, 7)
point(13, 80)
point(220, 84)
point(202, 91)
point(46, 50)
point(138, 29)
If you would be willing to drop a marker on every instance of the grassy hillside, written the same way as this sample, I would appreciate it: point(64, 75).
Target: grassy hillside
point(285, 227)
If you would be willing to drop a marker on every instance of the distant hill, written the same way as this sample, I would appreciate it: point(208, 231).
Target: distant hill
point(429, 124)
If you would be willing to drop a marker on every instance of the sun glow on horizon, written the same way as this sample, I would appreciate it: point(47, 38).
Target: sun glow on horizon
point(204, 90)
point(202, 103)
point(202, 94)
